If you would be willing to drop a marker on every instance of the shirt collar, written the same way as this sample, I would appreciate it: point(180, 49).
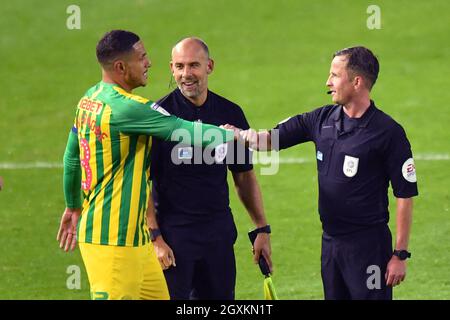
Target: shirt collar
point(189, 103)
point(109, 84)
point(364, 120)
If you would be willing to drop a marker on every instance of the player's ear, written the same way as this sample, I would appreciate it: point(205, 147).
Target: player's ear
point(210, 66)
point(358, 82)
point(119, 66)
point(171, 67)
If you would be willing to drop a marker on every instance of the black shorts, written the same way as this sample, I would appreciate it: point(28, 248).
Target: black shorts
point(354, 265)
point(205, 262)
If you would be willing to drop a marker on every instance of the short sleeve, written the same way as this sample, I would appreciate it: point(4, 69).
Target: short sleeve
point(400, 165)
point(295, 130)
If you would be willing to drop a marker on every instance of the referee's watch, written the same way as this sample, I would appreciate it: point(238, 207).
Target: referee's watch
point(265, 229)
point(402, 254)
point(154, 233)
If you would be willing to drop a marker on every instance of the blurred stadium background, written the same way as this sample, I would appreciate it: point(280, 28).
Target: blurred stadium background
point(272, 57)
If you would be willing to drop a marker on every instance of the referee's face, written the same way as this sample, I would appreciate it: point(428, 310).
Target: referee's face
point(339, 81)
point(190, 67)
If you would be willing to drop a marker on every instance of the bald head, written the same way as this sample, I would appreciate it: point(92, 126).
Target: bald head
point(190, 67)
point(191, 43)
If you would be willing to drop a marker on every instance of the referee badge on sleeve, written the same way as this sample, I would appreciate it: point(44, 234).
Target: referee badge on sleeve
point(409, 170)
point(350, 166)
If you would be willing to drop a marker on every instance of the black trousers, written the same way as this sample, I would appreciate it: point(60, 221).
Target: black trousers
point(354, 265)
point(205, 261)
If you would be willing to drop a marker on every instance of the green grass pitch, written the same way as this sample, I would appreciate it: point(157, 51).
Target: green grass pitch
point(272, 57)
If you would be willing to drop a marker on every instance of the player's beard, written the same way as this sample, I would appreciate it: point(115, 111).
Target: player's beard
point(190, 93)
point(193, 92)
point(136, 80)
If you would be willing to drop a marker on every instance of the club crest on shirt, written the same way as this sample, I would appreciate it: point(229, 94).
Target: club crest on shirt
point(350, 167)
point(409, 170)
point(220, 152)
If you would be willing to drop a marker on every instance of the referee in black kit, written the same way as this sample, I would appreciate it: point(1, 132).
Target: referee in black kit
point(193, 230)
point(359, 149)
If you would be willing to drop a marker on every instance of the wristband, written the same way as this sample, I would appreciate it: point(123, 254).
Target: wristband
point(154, 233)
point(265, 229)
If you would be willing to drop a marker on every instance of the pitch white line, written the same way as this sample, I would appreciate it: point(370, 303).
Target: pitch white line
point(432, 157)
point(30, 165)
point(299, 160)
point(258, 159)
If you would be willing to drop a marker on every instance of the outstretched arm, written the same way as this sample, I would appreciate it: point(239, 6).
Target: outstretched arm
point(260, 141)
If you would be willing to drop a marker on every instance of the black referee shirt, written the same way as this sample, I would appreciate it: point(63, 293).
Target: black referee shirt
point(188, 192)
point(356, 159)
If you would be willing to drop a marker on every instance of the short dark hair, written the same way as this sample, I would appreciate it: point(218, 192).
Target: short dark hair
point(362, 62)
point(113, 44)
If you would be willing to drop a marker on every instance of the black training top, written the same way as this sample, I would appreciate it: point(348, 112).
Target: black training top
point(356, 159)
point(190, 183)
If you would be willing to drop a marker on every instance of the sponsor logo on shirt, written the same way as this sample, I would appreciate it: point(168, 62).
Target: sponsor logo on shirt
point(409, 170)
point(91, 105)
